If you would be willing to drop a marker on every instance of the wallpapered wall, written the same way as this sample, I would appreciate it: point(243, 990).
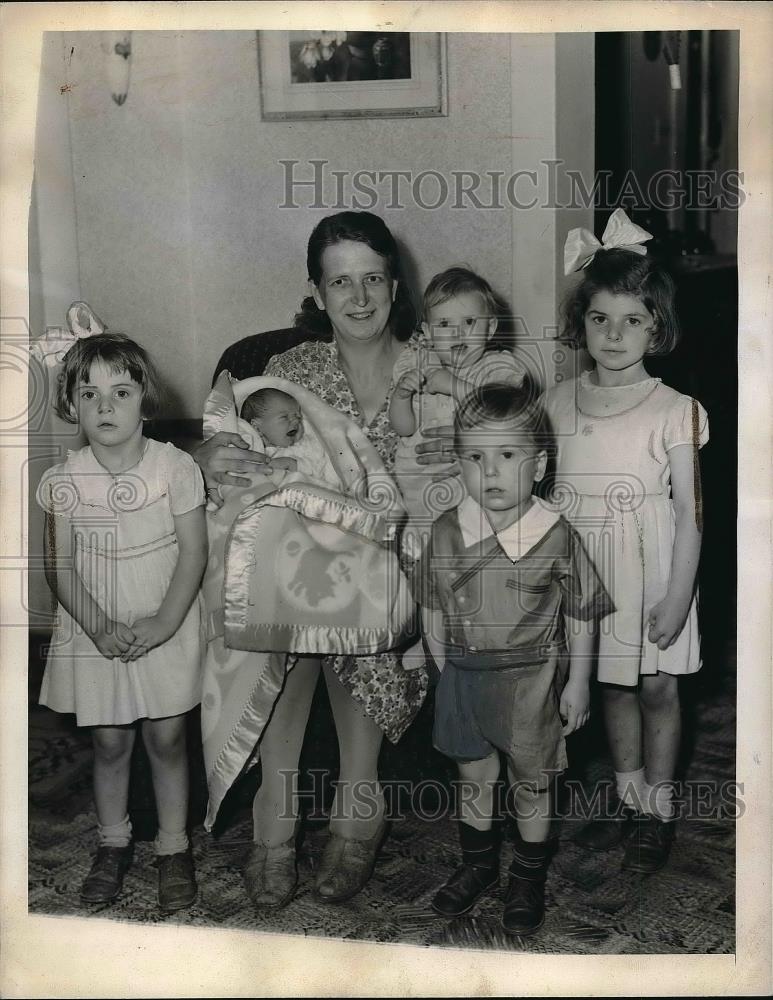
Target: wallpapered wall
point(181, 240)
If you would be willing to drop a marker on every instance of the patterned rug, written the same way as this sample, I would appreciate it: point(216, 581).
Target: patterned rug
point(594, 907)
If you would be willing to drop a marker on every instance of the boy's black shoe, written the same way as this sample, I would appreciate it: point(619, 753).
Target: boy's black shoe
point(649, 844)
point(478, 873)
point(524, 911)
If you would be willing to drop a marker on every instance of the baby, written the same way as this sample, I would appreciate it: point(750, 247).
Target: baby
point(286, 438)
point(455, 356)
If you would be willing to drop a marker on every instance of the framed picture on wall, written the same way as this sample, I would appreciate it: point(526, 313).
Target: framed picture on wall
point(351, 74)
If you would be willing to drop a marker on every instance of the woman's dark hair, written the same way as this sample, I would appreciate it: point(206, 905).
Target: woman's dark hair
point(357, 227)
point(622, 272)
point(118, 353)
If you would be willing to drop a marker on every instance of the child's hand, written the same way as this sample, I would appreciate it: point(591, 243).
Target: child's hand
point(148, 633)
point(113, 638)
point(439, 381)
point(574, 707)
point(667, 620)
point(409, 384)
point(288, 464)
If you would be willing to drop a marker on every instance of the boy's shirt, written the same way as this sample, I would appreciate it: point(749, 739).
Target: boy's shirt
point(506, 594)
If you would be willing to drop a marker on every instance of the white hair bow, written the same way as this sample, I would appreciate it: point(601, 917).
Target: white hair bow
point(620, 234)
point(82, 321)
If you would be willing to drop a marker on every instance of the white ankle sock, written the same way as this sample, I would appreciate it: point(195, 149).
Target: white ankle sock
point(171, 843)
point(116, 835)
point(660, 801)
point(632, 788)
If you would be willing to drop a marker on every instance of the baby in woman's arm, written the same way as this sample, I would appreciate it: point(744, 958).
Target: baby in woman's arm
point(288, 440)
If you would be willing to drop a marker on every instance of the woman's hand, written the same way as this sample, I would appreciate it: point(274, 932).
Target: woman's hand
point(666, 621)
point(438, 450)
point(574, 707)
point(221, 464)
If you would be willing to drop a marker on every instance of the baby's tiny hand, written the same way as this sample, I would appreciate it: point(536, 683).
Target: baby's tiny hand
point(409, 384)
point(290, 464)
point(439, 381)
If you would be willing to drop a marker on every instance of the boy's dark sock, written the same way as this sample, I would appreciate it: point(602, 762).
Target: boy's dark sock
point(524, 911)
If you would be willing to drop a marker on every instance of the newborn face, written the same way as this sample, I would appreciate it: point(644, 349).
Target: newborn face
point(280, 424)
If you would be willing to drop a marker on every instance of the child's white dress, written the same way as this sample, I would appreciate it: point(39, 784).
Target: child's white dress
point(125, 551)
point(425, 497)
point(613, 485)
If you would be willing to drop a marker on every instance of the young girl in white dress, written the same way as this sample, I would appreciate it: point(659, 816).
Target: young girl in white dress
point(627, 466)
point(126, 549)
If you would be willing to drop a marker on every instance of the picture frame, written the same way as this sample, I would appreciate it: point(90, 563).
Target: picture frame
point(345, 75)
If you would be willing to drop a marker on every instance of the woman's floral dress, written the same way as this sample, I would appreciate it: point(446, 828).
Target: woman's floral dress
point(388, 694)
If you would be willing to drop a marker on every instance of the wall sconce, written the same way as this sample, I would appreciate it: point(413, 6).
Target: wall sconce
point(117, 47)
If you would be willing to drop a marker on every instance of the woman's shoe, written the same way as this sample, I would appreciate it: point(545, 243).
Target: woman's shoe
point(271, 874)
point(347, 865)
point(105, 879)
point(649, 845)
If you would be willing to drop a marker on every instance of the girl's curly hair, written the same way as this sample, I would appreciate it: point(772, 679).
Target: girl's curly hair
point(622, 272)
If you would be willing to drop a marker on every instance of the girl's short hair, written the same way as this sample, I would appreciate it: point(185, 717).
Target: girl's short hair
point(357, 227)
point(460, 280)
point(622, 272)
point(501, 403)
point(119, 354)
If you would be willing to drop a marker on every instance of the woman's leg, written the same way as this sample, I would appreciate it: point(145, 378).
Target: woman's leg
point(358, 808)
point(112, 765)
point(165, 742)
point(275, 808)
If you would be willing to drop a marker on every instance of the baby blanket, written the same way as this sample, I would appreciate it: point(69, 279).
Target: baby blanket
point(298, 568)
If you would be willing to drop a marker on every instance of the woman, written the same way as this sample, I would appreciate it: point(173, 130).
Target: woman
point(356, 291)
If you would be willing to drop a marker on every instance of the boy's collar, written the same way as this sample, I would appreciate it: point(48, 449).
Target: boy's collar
point(517, 539)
